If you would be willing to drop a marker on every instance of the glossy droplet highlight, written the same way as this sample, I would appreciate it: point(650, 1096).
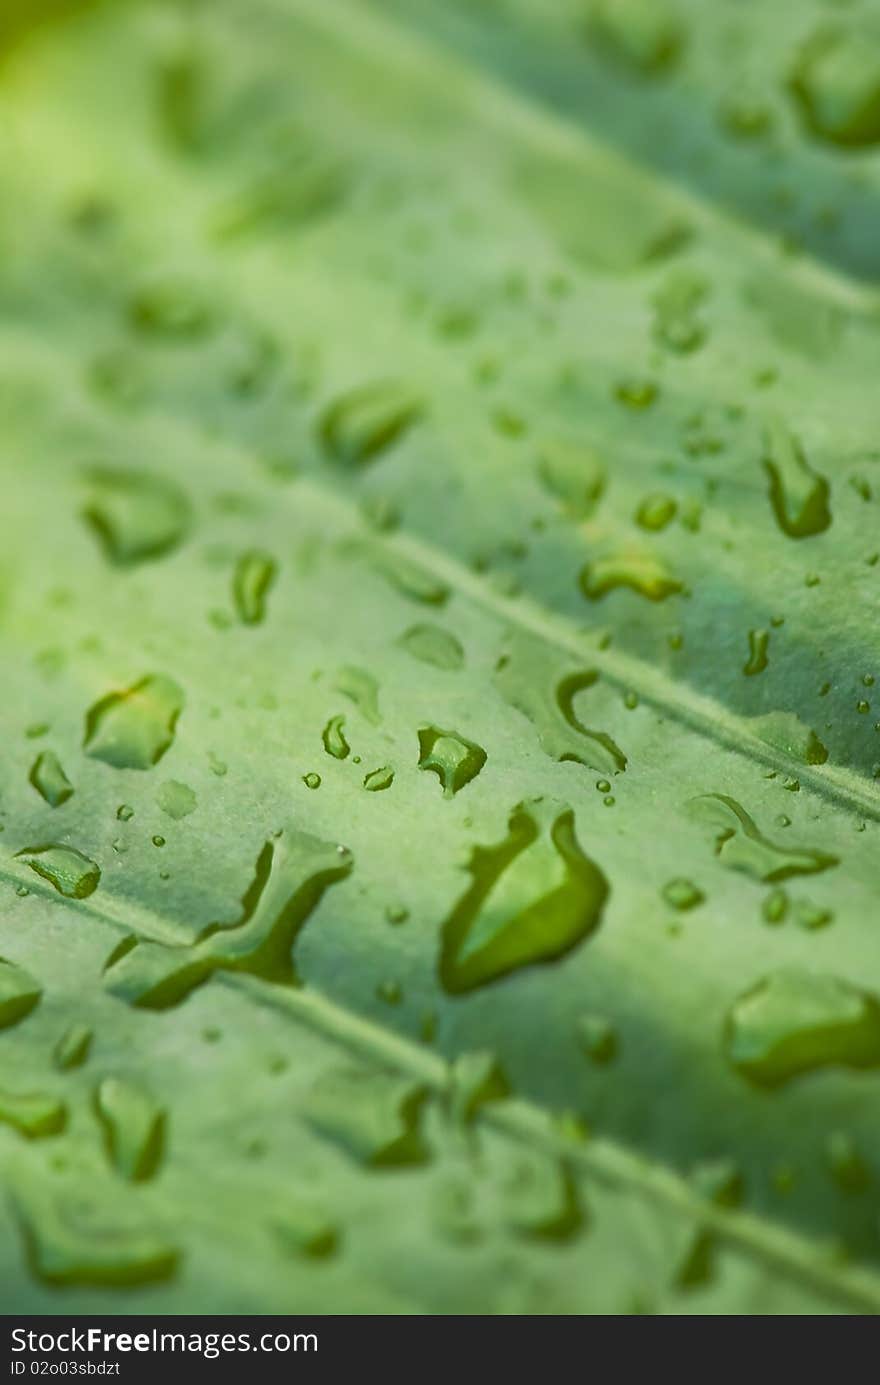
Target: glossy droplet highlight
point(644, 573)
point(379, 779)
point(134, 728)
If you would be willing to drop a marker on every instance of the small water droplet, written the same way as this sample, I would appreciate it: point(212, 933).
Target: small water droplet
point(430, 644)
point(73, 1047)
point(597, 1037)
point(682, 894)
point(757, 660)
point(362, 424)
point(379, 779)
point(134, 1127)
point(798, 495)
point(656, 511)
point(176, 799)
point(312, 780)
point(334, 740)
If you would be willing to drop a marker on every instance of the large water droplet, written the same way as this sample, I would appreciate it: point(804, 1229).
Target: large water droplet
point(455, 760)
point(133, 729)
point(534, 896)
point(540, 682)
point(137, 516)
point(742, 847)
point(795, 1021)
point(88, 1236)
point(410, 579)
point(72, 873)
point(785, 731)
point(292, 873)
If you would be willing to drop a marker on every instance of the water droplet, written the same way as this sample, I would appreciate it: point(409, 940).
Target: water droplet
point(836, 85)
point(363, 690)
point(72, 873)
point(133, 729)
point(312, 780)
point(810, 916)
point(19, 993)
point(746, 116)
point(757, 660)
point(539, 1198)
point(455, 760)
point(334, 741)
point(125, 812)
point(533, 897)
point(292, 873)
point(574, 473)
point(365, 422)
point(134, 1127)
point(218, 766)
point(304, 1229)
point(719, 1181)
point(88, 1237)
point(33, 1114)
point(799, 495)
point(254, 574)
point(775, 907)
point(157, 840)
point(785, 731)
point(475, 1080)
point(410, 579)
point(136, 516)
point(796, 1021)
point(539, 681)
point(172, 310)
point(390, 992)
point(644, 35)
point(73, 1047)
point(682, 894)
point(397, 913)
point(845, 1163)
point(643, 572)
point(379, 779)
point(433, 645)
point(656, 511)
point(742, 847)
point(597, 1037)
point(373, 1115)
point(48, 778)
point(636, 394)
point(176, 799)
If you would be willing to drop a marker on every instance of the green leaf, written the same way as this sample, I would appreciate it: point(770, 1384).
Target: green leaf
point(439, 796)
